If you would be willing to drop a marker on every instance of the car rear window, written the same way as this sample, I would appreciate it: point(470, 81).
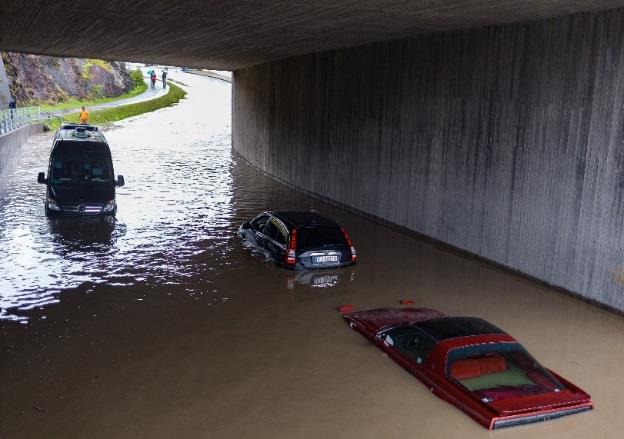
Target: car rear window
point(496, 371)
point(319, 237)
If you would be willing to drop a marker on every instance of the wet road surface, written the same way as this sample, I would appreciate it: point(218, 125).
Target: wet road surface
point(162, 324)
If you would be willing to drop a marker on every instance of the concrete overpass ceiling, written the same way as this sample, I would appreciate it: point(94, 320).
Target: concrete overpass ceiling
point(231, 35)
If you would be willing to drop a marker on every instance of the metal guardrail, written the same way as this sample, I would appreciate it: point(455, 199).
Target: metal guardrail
point(12, 119)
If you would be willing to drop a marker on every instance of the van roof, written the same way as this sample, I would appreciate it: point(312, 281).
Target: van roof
point(79, 133)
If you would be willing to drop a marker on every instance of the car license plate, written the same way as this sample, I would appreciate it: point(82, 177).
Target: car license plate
point(325, 258)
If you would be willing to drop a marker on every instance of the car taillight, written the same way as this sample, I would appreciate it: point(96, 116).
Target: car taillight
point(290, 256)
point(350, 244)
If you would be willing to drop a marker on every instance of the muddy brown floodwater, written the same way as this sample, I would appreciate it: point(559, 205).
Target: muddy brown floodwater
point(162, 324)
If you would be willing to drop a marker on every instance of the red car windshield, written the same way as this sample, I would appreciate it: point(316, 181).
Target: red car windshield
point(498, 371)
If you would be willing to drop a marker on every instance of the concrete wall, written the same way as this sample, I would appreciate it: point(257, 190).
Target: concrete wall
point(11, 142)
point(505, 141)
point(5, 92)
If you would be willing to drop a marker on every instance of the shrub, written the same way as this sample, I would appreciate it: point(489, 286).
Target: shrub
point(137, 77)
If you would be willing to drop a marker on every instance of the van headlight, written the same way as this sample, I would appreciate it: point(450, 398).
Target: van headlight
point(53, 205)
point(109, 206)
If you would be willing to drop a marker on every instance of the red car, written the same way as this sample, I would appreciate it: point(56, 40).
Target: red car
point(472, 364)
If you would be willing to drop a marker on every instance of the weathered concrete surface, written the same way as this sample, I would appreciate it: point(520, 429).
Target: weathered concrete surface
point(5, 93)
point(228, 35)
point(10, 142)
point(504, 141)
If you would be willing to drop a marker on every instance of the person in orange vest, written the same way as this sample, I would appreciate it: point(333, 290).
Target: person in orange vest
point(84, 116)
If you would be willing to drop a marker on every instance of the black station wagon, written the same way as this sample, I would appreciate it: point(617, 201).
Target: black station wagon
point(300, 239)
point(80, 178)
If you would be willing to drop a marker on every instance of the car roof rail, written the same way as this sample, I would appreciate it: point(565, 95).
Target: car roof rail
point(81, 133)
point(76, 126)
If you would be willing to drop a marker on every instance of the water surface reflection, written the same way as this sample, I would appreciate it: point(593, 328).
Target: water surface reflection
point(168, 326)
point(321, 278)
point(184, 198)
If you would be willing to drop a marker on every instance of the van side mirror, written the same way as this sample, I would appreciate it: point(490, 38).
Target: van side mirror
point(41, 178)
point(120, 181)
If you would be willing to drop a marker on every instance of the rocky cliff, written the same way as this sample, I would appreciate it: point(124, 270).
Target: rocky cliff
point(45, 79)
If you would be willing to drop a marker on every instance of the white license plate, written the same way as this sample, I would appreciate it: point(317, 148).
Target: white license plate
point(327, 258)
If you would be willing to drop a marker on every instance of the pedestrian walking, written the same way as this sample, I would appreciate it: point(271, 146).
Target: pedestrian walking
point(84, 116)
point(164, 78)
point(153, 78)
point(12, 106)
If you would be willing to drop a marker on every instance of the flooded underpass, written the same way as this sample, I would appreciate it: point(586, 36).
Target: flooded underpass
point(162, 324)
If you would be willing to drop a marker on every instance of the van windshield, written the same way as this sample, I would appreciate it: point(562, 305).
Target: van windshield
point(80, 169)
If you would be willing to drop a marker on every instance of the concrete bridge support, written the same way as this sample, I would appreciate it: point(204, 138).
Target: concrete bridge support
point(5, 93)
point(504, 141)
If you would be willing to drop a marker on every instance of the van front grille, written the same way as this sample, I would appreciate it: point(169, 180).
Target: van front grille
point(82, 209)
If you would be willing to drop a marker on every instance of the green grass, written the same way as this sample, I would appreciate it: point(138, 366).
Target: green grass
point(118, 113)
point(77, 103)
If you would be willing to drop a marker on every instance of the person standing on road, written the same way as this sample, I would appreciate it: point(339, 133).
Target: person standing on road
point(12, 106)
point(84, 116)
point(153, 78)
point(164, 78)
